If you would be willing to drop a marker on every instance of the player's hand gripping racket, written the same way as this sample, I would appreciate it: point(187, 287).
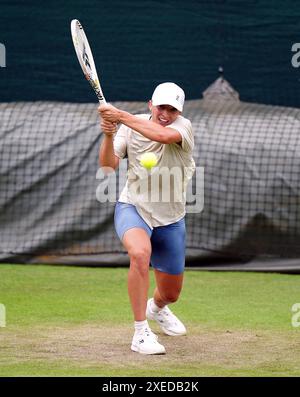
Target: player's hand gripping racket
point(85, 58)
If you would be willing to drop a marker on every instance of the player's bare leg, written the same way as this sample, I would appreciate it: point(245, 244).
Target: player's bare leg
point(138, 246)
point(168, 288)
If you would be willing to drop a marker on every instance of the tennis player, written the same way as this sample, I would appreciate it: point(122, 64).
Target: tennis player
point(152, 231)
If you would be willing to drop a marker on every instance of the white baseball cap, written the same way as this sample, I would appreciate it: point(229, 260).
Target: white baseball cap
point(168, 94)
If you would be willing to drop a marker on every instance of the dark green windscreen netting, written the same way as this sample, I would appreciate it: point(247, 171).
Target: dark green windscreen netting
point(139, 44)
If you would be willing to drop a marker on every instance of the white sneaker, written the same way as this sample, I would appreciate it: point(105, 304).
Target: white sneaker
point(145, 342)
point(168, 322)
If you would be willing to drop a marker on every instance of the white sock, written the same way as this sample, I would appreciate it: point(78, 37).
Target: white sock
point(140, 325)
point(153, 306)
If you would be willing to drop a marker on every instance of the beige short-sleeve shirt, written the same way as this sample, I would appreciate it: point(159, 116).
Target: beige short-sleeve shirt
point(159, 195)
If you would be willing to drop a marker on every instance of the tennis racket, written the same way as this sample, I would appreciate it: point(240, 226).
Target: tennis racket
point(85, 58)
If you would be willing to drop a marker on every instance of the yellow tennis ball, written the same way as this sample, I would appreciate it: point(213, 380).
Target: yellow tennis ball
point(148, 160)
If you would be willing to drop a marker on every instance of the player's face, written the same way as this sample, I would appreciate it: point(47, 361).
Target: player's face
point(163, 114)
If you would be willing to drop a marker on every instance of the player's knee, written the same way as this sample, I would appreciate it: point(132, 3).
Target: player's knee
point(139, 262)
point(140, 256)
point(170, 296)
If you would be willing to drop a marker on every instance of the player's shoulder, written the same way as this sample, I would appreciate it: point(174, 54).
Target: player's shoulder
point(183, 122)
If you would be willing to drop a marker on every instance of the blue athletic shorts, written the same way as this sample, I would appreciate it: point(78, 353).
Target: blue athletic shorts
point(168, 242)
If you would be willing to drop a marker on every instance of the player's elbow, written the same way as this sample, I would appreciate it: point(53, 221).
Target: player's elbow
point(107, 169)
point(108, 166)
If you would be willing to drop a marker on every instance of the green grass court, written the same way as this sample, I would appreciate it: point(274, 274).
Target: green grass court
point(75, 321)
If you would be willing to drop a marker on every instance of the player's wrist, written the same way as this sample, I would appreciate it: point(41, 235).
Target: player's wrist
point(109, 135)
point(122, 116)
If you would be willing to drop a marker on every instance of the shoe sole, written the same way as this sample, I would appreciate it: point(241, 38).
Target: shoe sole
point(136, 349)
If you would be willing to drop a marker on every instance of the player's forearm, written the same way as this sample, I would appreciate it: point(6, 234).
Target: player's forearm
point(106, 152)
point(148, 128)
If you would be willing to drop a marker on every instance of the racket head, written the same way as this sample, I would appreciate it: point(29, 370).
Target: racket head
point(85, 58)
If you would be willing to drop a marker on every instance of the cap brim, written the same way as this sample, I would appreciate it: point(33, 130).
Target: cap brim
point(166, 101)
